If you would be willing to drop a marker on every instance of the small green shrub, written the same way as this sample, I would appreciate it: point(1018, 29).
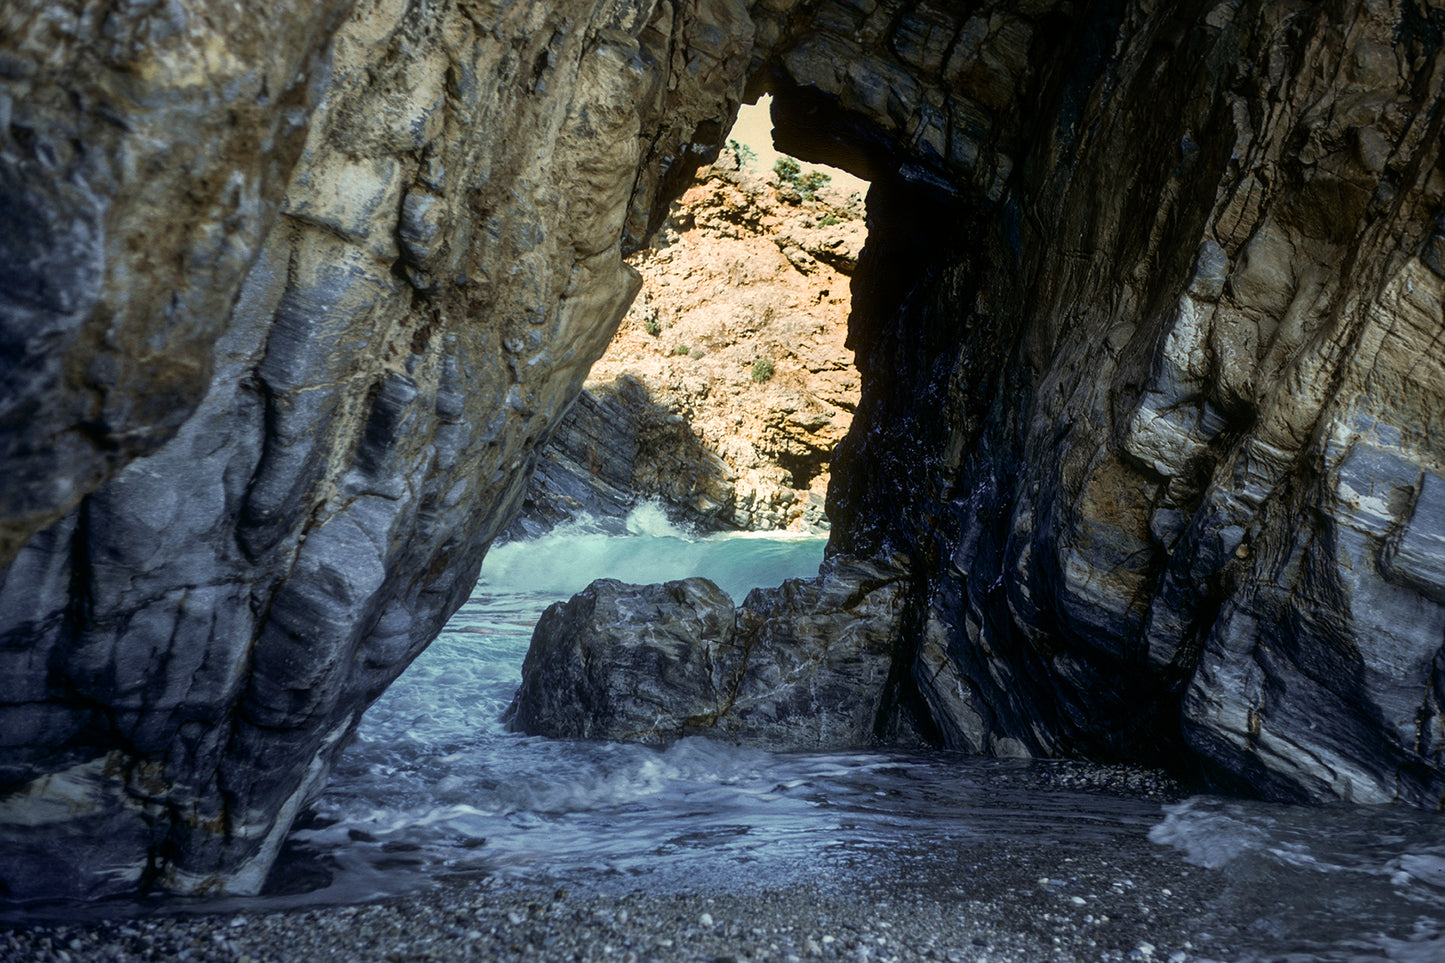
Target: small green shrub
point(652, 327)
point(746, 155)
point(828, 220)
point(790, 173)
point(681, 350)
point(811, 183)
point(762, 370)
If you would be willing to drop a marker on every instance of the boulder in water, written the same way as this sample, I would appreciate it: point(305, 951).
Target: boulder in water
point(805, 665)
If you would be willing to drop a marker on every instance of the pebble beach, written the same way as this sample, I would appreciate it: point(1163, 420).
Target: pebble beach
point(477, 921)
point(947, 900)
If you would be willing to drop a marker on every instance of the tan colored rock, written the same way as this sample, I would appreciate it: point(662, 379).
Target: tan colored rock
point(724, 295)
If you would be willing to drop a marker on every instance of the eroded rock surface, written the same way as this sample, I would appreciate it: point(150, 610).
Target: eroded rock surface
point(804, 666)
point(143, 154)
point(746, 273)
point(1180, 318)
point(184, 653)
point(617, 447)
point(1148, 329)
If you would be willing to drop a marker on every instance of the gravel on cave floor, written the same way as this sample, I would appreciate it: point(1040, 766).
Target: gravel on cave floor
point(979, 901)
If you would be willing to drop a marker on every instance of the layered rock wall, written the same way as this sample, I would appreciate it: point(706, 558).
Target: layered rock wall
point(1148, 330)
point(186, 650)
point(1188, 355)
point(616, 448)
point(145, 150)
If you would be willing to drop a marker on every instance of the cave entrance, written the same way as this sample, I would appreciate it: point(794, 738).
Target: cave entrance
point(738, 336)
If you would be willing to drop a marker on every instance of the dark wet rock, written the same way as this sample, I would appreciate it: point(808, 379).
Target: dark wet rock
point(801, 666)
point(1151, 377)
point(278, 444)
point(1180, 502)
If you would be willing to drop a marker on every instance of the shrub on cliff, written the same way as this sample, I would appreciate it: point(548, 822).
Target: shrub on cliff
point(742, 153)
point(762, 370)
point(790, 174)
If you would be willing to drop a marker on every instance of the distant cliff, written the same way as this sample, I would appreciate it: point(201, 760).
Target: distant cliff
point(1147, 330)
point(727, 386)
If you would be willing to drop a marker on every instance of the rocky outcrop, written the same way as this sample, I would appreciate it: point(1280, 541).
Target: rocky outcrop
point(1147, 325)
point(1149, 342)
point(615, 448)
point(736, 341)
point(802, 666)
point(142, 159)
point(186, 650)
point(1148, 328)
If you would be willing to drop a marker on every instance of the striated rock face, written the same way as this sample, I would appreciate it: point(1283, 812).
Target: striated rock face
point(802, 666)
point(143, 153)
point(1147, 326)
point(1179, 306)
point(184, 653)
point(615, 447)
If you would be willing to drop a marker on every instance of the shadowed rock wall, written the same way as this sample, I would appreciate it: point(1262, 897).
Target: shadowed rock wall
point(1171, 274)
point(616, 448)
point(1148, 326)
point(1148, 329)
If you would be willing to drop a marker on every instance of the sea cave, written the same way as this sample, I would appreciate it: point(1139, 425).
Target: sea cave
point(1142, 472)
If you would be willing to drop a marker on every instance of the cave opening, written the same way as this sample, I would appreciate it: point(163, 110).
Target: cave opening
point(1087, 221)
point(729, 383)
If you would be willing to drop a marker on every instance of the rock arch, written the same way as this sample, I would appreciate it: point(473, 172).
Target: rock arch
point(1148, 335)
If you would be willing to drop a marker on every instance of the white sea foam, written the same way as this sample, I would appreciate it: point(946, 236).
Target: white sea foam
point(1208, 835)
point(648, 518)
point(563, 562)
point(432, 764)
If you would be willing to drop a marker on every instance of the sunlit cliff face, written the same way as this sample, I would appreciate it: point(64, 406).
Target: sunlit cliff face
point(728, 383)
point(1146, 332)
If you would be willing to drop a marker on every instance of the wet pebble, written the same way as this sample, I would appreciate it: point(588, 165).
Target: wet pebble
point(1100, 901)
